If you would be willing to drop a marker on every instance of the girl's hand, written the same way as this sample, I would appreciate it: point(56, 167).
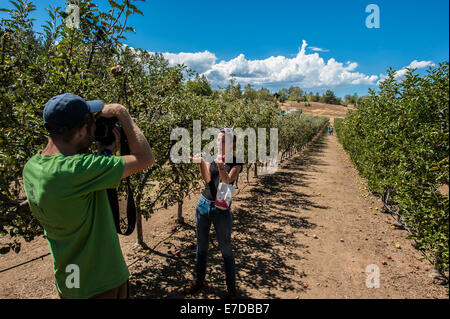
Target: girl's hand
point(219, 162)
point(196, 159)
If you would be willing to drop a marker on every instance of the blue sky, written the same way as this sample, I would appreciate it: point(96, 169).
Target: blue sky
point(222, 38)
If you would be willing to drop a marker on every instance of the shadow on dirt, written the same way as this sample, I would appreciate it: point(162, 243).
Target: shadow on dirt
point(266, 219)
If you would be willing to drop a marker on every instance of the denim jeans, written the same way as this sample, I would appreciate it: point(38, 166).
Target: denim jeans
point(206, 213)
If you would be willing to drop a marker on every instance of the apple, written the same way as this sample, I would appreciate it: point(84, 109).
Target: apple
point(116, 70)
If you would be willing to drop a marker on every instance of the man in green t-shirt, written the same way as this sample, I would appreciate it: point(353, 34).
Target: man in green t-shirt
point(66, 190)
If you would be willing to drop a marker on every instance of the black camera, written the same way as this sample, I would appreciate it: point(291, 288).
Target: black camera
point(104, 134)
point(104, 130)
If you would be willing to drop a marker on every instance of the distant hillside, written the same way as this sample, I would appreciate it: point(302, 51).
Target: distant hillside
point(316, 108)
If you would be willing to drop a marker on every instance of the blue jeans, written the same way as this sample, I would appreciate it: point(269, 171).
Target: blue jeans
point(206, 213)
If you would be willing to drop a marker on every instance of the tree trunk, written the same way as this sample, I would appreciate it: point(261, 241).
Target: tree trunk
point(256, 170)
point(180, 218)
point(139, 231)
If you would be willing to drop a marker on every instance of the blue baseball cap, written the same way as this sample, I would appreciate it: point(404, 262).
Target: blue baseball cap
point(66, 110)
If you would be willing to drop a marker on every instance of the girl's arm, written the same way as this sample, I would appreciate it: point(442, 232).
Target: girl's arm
point(204, 170)
point(228, 178)
point(204, 167)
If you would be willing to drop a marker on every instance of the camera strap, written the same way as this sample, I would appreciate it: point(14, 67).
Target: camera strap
point(114, 199)
point(131, 209)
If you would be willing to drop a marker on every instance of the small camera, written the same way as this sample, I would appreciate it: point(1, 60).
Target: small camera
point(104, 130)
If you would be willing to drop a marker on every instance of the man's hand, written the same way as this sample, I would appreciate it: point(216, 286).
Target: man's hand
point(141, 155)
point(112, 110)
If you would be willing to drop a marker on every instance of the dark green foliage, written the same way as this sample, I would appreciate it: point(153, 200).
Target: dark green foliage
point(330, 98)
point(93, 63)
point(398, 139)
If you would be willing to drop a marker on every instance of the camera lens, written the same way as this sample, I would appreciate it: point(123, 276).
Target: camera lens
point(104, 130)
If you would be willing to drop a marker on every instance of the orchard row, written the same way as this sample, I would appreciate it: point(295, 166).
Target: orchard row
point(93, 63)
point(398, 139)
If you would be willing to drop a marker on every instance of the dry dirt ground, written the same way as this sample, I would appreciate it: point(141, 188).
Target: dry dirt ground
point(308, 231)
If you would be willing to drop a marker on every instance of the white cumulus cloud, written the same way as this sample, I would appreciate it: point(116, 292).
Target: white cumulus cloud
point(400, 74)
point(420, 65)
point(316, 49)
point(307, 70)
point(200, 62)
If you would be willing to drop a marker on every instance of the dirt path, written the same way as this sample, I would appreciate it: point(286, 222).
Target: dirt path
point(287, 233)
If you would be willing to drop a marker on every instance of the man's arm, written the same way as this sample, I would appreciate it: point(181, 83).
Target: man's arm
point(141, 156)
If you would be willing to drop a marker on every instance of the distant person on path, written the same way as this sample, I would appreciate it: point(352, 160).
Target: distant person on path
point(66, 190)
point(330, 130)
point(207, 214)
